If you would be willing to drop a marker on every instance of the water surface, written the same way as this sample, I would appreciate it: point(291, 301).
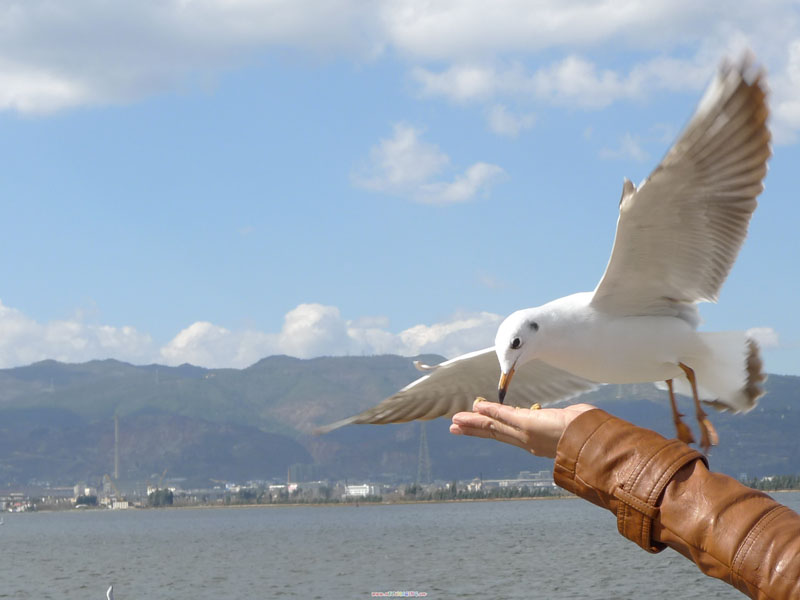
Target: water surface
point(511, 549)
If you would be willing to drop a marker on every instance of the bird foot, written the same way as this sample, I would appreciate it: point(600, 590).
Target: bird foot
point(536, 406)
point(708, 435)
point(684, 433)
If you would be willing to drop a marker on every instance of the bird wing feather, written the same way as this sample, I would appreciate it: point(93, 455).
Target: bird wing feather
point(453, 385)
point(680, 232)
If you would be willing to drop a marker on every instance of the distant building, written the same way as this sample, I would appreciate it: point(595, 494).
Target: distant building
point(530, 479)
point(17, 502)
point(475, 485)
point(81, 489)
point(361, 491)
point(544, 475)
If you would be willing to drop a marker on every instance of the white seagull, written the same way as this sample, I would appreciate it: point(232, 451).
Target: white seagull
point(678, 235)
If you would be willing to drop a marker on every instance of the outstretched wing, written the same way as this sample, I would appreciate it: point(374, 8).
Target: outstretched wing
point(453, 385)
point(680, 232)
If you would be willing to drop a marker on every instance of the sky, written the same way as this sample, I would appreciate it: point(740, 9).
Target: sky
point(216, 181)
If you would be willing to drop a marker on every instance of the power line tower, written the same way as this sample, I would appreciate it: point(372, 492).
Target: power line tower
point(116, 447)
point(424, 462)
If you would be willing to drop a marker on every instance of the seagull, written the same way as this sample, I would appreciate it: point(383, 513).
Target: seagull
point(110, 593)
point(678, 235)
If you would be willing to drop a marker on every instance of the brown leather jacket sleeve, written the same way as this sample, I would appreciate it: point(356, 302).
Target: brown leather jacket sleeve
point(664, 495)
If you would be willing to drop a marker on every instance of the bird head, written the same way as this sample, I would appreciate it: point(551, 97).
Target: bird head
point(514, 344)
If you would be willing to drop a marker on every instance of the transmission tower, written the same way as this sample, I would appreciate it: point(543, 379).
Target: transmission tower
point(116, 447)
point(424, 462)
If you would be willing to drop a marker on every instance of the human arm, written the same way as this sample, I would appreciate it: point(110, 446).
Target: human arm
point(660, 490)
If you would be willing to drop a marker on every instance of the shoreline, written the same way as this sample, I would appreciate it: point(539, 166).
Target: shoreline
point(301, 504)
point(360, 504)
point(334, 504)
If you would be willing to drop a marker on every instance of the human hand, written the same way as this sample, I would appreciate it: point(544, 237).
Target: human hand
point(537, 431)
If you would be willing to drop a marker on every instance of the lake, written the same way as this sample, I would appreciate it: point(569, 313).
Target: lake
point(505, 549)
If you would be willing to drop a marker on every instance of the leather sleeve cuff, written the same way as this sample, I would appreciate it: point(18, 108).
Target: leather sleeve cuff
point(640, 495)
point(621, 467)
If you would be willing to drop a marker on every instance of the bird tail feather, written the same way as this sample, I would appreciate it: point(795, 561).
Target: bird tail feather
point(729, 372)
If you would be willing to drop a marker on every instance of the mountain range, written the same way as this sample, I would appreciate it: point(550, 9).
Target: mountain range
point(56, 424)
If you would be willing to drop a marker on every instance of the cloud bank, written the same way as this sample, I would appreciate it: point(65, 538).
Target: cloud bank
point(24, 340)
point(55, 56)
point(308, 330)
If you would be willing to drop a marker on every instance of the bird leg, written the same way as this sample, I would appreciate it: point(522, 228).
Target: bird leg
point(708, 435)
point(684, 433)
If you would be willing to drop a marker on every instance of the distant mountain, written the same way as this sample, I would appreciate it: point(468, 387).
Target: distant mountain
point(279, 394)
point(56, 423)
point(52, 444)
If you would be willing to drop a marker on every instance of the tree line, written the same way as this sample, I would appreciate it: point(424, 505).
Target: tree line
point(774, 482)
point(452, 492)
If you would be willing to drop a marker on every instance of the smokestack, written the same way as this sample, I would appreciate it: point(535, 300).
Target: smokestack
point(116, 448)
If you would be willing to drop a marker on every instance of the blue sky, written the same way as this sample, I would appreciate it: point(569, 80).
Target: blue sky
point(215, 181)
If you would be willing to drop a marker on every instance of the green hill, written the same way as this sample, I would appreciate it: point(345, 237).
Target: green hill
point(56, 423)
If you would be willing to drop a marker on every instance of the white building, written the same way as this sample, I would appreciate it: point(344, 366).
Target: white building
point(361, 491)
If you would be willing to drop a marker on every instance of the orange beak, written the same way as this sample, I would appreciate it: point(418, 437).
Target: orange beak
point(502, 387)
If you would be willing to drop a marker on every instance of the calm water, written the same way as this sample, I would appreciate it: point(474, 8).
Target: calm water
point(524, 549)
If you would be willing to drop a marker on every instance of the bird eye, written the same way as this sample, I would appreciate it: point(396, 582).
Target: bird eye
point(534, 325)
point(515, 343)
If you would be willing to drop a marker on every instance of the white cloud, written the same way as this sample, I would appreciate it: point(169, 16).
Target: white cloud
point(57, 56)
point(464, 82)
point(629, 148)
point(503, 122)
point(474, 181)
point(316, 330)
point(404, 165)
point(33, 90)
point(402, 162)
point(54, 56)
point(571, 81)
point(313, 330)
point(24, 340)
point(461, 334)
point(786, 97)
point(766, 337)
point(454, 29)
point(576, 81)
point(206, 344)
point(308, 330)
